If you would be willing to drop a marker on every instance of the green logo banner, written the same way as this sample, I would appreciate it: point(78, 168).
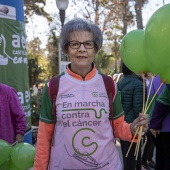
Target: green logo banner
point(14, 62)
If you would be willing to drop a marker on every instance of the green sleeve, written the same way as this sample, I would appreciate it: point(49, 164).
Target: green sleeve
point(164, 98)
point(117, 106)
point(151, 107)
point(46, 107)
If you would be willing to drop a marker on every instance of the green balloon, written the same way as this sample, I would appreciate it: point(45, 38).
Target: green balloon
point(5, 165)
point(22, 155)
point(13, 167)
point(165, 75)
point(132, 51)
point(5, 151)
point(157, 38)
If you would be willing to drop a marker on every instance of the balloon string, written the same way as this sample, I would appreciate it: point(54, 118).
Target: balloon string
point(139, 130)
point(138, 142)
point(141, 127)
point(143, 111)
point(142, 74)
point(150, 87)
point(154, 96)
point(15, 143)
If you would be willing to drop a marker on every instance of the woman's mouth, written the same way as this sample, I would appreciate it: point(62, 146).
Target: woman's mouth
point(81, 57)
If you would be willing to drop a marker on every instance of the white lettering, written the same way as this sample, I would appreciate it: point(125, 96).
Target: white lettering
point(27, 96)
point(28, 113)
point(16, 41)
point(21, 97)
point(23, 41)
point(19, 52)
point(17, 60)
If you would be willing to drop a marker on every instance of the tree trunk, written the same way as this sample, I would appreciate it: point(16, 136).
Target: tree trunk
point(124, 30)
point(138, 10)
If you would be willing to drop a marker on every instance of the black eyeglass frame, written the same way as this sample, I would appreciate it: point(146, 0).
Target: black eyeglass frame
point(81, 43)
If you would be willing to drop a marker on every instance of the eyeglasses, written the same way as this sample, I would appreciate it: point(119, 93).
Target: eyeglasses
point(77, 44)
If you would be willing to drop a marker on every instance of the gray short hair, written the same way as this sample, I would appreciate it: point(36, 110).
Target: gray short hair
point(78, 24)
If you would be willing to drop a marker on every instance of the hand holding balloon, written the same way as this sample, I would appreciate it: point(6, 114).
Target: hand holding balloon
point(19, 138)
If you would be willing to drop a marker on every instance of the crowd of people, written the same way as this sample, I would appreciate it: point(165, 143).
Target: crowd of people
point(157, 137)
point(80, 120)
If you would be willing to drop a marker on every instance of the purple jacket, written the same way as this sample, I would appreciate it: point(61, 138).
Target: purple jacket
point(161, 118)
point(161, 113)
point(12, 116)
point(153, 88)
point(156, 83)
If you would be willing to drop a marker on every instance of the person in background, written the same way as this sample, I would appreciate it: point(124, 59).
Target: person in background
point(12, 116)
point(117, 77)
point(81, 135)
point(42, 89)
point(35, 89)
point(147, 77)
point(131, 90)
point(160, 128)
point(147, 157)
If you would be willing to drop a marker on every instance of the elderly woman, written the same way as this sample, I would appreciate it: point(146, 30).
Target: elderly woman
point(81, 136)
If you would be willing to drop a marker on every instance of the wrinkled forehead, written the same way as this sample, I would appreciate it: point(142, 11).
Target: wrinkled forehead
point(80, 36)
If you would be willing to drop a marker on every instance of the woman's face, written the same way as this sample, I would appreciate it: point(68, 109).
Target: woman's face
point(81, 58)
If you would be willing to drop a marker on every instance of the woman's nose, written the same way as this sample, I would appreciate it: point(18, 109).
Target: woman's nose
point(82, 48)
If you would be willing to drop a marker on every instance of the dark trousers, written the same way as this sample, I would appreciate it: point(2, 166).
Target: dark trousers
point(162, 143)
point(129, 162)
point(148, 149)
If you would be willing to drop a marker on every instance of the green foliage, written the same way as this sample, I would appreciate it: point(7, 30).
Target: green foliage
point(37, 63)
point(35, 103)
point(52, 47)
point(103, 61)
point(110, 72)
point(107, 14)
point(113, 17)
point(37, 8)
point(34, 70)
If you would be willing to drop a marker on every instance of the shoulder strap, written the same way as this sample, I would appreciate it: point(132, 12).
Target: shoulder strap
point(53, 90)
point(109, 85)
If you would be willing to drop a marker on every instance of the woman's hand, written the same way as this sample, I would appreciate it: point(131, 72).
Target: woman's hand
point(142, 120)
point(19, 138)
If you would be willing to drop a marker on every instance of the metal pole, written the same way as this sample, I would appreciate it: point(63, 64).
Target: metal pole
point(62, 17)
point(59, 57)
